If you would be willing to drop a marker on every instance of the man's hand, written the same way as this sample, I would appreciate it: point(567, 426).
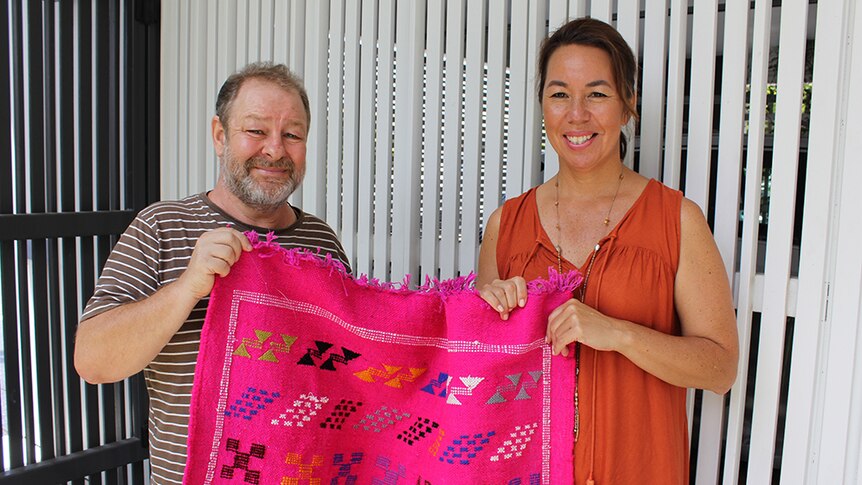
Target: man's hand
point(214, 254)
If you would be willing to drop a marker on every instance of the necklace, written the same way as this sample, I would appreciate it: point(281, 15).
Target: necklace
point(595, 251)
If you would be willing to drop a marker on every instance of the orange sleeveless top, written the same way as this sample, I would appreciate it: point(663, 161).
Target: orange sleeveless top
point(637, 426)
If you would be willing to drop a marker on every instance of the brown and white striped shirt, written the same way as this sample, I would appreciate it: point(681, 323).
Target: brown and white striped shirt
point(154, 251)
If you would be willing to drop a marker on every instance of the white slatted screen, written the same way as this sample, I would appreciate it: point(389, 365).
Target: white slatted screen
point(424, 119)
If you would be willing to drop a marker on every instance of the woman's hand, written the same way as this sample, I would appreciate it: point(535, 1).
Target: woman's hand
point(505, 295)
point(574, 321)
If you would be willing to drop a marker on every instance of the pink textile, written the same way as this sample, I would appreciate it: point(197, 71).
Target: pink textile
point(309, 375)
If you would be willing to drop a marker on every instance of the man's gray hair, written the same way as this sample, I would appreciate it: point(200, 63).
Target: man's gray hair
point(278, 74)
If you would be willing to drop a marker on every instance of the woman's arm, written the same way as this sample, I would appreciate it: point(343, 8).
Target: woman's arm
point(503, 296)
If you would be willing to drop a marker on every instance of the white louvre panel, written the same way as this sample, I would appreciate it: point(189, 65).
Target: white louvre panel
point(520, 92)
point(495, 137)
point(352, 121)
point(316, 60)
point(536, 32)
point(383, 165)
point(801, 436)
point(770, 352)
point(558, 14)
point(450, 220)
point(408, 138)
point(169, 83)
point(839, 445)
point(367, 116)
point(602, 10)
point(335, 115)
point(432, 157)
point(652, 92)
point(748, 250)
point(675, 92)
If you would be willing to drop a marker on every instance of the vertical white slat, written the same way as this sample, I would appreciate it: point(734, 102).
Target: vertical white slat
point(628, 25)
point(699, 153)
point(383, 165)
point(241, 42)
point(791, 64)
point(675, 92)
point(408, 138)
point(294, 57)
point(558, 14)
point(351, 123)
point(577, 8)
point(830, 94)
point(602, 10)
point(183, 176)
point(450, 222)
point(536, 33)
point(367, 113)
point(731, 130)
point(838, 446)
point(280, 37)
point(169, 123)
point(472, 185)
point(652, 97)
point(314, 187)
point(498, 25)
point(334, 115)
point(196, 104)
point(225, 65)
point(209, 87)
point(253, 31)
point(750, 225)
point(264, 24)
point(520, 89)
point(432, 156)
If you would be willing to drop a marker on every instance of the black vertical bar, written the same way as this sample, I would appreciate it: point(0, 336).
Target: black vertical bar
point(21, 248)
point(10, 406)
point(38, 203)
point(66, 152)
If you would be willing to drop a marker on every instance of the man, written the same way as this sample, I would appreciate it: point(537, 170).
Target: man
point(149, 305)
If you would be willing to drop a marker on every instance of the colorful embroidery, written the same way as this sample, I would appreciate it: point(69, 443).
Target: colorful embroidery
point(514, 379)
point(381, 419)
point(344, 468)
point(517, 442)
point(413, 402)
point(390, 375)
point(241, 461)
point(252, 402)
point(465, 448)
point(534, 479)
point(304, 408)
point(390, 474)
point(342, 411)
point(329, 363)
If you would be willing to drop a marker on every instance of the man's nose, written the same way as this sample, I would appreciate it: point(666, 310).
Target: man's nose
point(273, 147)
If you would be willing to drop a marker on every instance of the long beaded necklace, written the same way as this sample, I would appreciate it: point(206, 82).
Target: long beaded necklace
point(559, 250)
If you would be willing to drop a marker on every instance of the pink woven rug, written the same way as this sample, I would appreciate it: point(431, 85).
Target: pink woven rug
point(307, 375)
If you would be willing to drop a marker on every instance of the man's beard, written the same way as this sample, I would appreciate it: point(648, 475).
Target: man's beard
point(239, 182)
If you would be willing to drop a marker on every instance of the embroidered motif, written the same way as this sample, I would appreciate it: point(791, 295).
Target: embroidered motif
point(517, 442)
point(380, 419)
point(241, 461)
point(390, 374)
point(304, 408)
point(344, 468)
point(435, 447)
point(390, 476)
point(534, 479)
point(418, 430)
point(469, 382)
point(329, 363)
point(342, 411)
point(465, 448)
point(442, 382)
point(531, 383)
point(252, 402)
point(304, 471)
point(257, 343)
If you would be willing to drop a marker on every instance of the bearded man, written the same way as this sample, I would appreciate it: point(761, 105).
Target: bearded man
point(151, 299)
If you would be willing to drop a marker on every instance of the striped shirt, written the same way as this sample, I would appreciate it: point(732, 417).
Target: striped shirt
point(154, 251)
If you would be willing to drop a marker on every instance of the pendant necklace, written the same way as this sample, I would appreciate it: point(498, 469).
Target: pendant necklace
point(595, 251)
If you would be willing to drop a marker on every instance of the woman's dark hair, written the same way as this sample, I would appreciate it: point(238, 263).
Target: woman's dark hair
point(595, 33)
point(278, 74)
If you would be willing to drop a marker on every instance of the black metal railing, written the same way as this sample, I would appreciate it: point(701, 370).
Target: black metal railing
point(78, 158)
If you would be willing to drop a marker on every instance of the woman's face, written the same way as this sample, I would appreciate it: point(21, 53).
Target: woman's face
point(582, 107)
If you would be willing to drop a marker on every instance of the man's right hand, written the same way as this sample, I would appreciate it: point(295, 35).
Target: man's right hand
point(214, 254)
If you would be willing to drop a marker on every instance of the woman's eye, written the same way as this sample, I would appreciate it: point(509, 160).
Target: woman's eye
point(558, 95)
point(598, 95)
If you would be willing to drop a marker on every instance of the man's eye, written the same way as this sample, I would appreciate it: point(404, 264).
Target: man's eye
point(254, 132)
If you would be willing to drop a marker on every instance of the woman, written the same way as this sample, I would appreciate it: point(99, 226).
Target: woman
point(654, 315)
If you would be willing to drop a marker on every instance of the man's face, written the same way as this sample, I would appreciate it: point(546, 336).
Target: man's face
point(262, 149)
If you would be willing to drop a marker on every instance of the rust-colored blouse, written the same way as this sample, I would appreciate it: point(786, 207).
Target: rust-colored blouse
point(638, 425)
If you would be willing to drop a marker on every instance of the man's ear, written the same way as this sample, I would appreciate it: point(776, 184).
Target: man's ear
point(218, 134)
